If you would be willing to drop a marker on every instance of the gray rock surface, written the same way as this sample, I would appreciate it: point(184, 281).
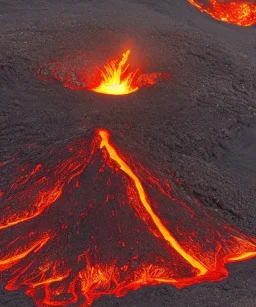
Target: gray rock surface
point(201, 124)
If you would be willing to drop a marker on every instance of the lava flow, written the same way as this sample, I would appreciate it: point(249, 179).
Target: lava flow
point(115, 77)
point(235, 12)
point(65, 243)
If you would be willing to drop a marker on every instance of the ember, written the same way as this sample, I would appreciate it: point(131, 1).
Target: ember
point(127, 236)
point(236, 12)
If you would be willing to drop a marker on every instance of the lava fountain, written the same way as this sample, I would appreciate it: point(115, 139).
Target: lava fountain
point(235, 12)
point(115, 77)
point(64, 243)
point(116, 80)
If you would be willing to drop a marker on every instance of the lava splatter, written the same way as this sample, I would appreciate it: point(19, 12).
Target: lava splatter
point(113, 80)
point(115, 77)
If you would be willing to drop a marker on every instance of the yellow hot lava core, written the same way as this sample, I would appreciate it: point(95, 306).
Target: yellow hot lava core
point(116, 80)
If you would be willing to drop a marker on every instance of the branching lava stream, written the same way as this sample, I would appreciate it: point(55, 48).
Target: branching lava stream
point(66, 243)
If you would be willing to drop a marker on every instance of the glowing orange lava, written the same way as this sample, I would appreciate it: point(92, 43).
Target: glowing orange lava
point(115, 77)
point(65, 243)
point(158, 223)
point(236, 12)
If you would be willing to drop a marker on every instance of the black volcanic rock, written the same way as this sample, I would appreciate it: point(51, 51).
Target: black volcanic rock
point(201, 125)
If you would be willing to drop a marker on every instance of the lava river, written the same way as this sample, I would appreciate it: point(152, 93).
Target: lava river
point(91, 221)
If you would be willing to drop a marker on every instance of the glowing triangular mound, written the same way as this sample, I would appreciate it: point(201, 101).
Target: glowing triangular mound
point(93, 222)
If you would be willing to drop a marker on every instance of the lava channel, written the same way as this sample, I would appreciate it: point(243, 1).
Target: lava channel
point(115, 77)
point(240, 13)
point(90, 221)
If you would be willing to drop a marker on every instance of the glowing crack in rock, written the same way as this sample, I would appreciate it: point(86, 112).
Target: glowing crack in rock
point(64, 242)
point(236, 12)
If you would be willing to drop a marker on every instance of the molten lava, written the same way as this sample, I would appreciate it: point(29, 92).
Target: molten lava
point(155, 219)
point(114, 78)
point(236, 12)
point(66, 243)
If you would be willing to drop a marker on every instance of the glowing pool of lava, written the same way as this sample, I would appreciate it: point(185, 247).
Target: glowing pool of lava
point(236, 12)
point(115, 77)
point(91, 221)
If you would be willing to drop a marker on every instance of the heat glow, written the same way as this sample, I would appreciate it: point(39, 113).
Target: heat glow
point(235, 12)
point(115, 77)
point(67, 244)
